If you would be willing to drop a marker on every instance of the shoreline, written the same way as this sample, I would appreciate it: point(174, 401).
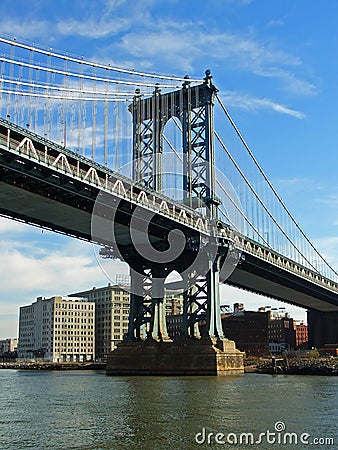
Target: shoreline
point(281, 366)
point(53, 366)
point(296, 366)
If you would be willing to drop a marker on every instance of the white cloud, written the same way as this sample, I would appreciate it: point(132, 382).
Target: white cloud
point(51, 263)
point(92, 28)
point(330, 199)
point(329, 250)
point(248, 52)
point(44, 265)
point(180, 44)
point(191, 42)
point(44, 271)
point(238, 100)
point(275, 23)
point(154, 45)
point(144, 37)
point(111, 5)
point(298, 86)
point(25, 28)
point(11, 226)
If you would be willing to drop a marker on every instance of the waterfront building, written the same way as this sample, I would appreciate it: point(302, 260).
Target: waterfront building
point(8, 345)
point(301, 336)
point(249, 329)
point(112, 313)
point(174, 324)
point(282, 331)
point(57, 329)
point(277, 347)
point(258, 333)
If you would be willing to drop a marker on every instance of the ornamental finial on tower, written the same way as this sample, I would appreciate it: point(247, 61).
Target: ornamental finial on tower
point(207, 81)
point(187, 82)
point(208, 77)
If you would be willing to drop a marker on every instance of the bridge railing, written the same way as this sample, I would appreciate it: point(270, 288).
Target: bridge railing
point(78, 167)
point(266, 254)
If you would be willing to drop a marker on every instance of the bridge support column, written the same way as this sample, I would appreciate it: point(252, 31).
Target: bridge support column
point(214, 323)
point(194, 353)
point(322, 328)
point(202, 304)
point(158, 328)
point(139, 309)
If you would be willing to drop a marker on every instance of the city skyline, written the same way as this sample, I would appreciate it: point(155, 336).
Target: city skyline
point(276, 77)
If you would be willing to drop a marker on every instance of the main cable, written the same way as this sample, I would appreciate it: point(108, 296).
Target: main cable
point(78, 60)
point(271, 186)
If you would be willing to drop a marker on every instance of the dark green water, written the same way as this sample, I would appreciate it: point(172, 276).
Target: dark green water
point(88, 410)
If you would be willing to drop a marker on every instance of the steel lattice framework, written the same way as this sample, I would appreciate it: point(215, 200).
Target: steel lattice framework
point(193, 106)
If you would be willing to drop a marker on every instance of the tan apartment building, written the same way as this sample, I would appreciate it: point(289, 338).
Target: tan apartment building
point(112, 304)
point(58, 329)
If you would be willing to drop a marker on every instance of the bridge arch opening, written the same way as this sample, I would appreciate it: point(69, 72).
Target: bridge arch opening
point(174, 305)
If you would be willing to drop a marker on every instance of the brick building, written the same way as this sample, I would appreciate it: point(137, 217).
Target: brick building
point(249, 329)
point(301, 336)
point(281, 331)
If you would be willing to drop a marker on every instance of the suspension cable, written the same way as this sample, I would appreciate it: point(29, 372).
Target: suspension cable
point(179, 126)
point(245, 217)
point(78, 60)
point(64, 89)
point(87, 77)
point(260, 200)
point(273, 189)
point(60, 97)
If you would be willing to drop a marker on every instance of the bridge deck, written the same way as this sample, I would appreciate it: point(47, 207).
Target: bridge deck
point(46, 185)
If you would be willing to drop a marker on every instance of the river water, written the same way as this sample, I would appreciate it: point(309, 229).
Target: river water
point(89, 410)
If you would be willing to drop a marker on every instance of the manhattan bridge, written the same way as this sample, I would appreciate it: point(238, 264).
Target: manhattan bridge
point(153, 170)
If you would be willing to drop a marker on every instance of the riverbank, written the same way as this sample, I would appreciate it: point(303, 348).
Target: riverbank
point(295, 366)
point(53, 366)
point(299, 366)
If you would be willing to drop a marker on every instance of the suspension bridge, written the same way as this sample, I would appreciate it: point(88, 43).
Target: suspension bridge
point(153, 169)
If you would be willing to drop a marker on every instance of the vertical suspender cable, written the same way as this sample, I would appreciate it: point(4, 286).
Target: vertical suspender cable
point(11, 69)
point(116, 127)
point(1, 88)
point(94, 111)
point(105, 125)
point(29, 118)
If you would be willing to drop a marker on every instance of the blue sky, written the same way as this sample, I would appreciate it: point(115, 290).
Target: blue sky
point(275, 64)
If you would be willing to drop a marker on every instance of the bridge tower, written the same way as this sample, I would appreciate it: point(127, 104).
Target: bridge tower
point(192, 107)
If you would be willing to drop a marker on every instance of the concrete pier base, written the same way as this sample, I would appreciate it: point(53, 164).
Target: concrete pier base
point(189, 357)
